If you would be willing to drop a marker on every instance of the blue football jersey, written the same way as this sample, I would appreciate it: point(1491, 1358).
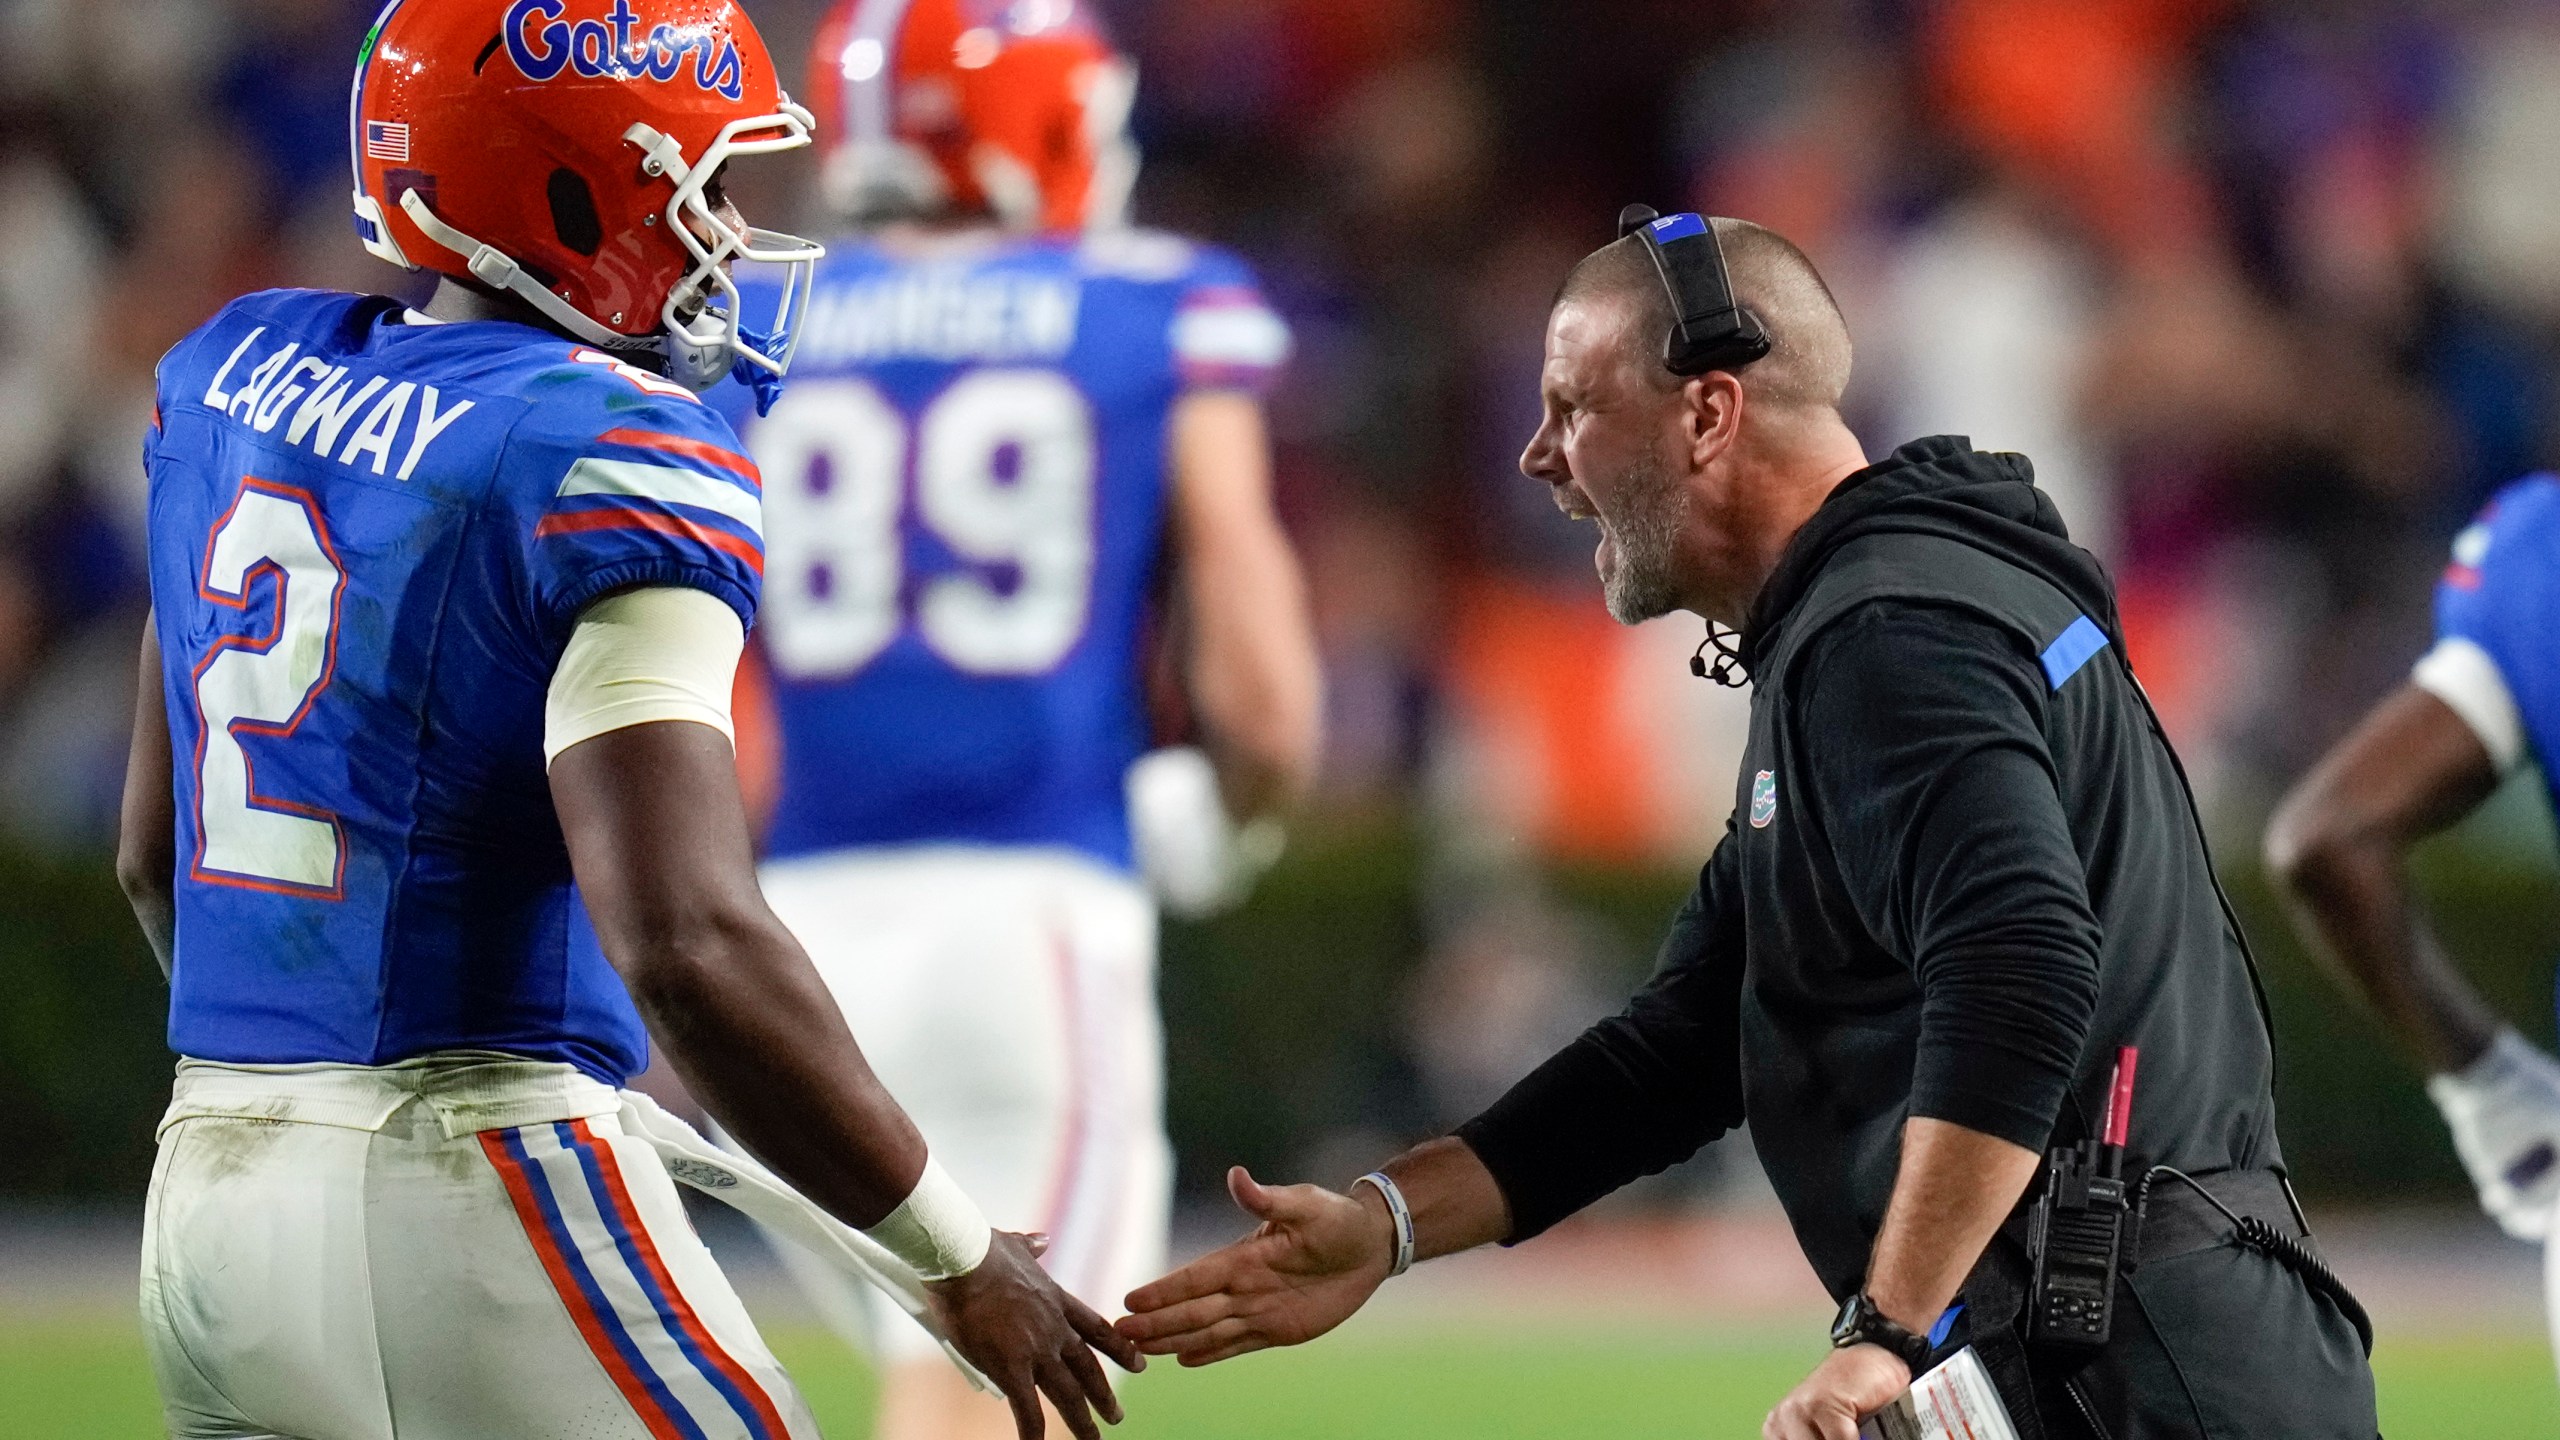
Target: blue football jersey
point(370, 537)
point(966, 484)
point(2501, 593)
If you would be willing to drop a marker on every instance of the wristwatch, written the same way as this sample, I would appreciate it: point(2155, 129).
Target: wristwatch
point(1861, 1323)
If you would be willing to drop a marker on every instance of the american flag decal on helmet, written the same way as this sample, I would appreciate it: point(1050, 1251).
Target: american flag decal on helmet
point(386, 141)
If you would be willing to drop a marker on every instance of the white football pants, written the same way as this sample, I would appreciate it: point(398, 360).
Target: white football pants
point(2551, 1283)
point(457, 1248)
point(1007, 999)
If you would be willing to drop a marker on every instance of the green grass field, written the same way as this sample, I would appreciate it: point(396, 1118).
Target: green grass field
point(86, 1380)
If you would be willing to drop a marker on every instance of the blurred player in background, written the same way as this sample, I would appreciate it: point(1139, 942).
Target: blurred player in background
point(434, 741)
point(1015, 429)
point(2483, 701)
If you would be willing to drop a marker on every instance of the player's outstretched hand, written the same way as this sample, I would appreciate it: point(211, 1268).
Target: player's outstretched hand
point(2505, 1115)
point(1316, 1257)
point(1032, 1338)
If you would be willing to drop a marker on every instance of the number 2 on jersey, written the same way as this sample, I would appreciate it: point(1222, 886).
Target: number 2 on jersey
point(1004, 476)
point(265, 686)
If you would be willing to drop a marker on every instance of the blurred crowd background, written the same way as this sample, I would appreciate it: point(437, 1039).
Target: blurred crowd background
point(2269, 291)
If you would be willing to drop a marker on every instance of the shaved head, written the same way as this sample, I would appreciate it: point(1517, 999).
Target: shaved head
point(1695, 482)
point(1808, 359)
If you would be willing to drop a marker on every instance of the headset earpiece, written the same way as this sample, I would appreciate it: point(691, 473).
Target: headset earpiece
point(1708, 330)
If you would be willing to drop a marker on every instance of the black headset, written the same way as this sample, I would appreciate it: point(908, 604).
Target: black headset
point(1708, 330)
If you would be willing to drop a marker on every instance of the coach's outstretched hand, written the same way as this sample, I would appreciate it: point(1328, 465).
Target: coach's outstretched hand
point(1316, 1257)
point(1032, 1338)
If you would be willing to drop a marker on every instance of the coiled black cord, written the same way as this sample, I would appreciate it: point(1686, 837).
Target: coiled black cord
point(2291, 1251)
point(1727, 671)
point(2088, 1413)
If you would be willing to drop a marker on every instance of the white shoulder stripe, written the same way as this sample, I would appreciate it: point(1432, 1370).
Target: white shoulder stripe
point(2461, 674)
point(1240, 334)
point(667, 485)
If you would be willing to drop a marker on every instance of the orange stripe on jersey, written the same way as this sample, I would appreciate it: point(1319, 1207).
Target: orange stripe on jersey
point(701, 450)
point(579, 521)
point(590, 1326)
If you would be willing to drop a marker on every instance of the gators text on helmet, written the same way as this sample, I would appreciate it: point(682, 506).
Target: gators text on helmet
point(1018, 108)
point(567, 152)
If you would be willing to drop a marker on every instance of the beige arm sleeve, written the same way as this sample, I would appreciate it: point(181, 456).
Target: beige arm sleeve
point(2461, 674)
point(642, 656)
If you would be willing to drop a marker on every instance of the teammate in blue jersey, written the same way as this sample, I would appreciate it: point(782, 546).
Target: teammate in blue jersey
point(2483, 701)
point(1014, 432)
point(432, 812)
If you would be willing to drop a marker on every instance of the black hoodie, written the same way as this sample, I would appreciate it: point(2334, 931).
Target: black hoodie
point(1962, 870)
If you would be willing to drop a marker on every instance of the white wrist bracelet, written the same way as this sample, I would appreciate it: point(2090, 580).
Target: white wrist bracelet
point(1398, 1212)
point(937, 1231)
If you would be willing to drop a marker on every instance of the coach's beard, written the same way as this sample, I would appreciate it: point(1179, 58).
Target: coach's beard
point(1638, 544)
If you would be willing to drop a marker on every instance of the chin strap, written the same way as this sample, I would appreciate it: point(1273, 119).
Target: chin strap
point(696, 367)
point(499, 271)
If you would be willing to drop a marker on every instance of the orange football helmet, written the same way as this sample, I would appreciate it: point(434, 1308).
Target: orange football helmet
point(568, 152)
point(1017, 108)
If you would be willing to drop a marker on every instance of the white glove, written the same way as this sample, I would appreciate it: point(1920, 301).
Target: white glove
point(2504, 1109)
point(1196, 860)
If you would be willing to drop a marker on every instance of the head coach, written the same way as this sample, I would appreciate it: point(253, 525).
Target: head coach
point(1963, 871)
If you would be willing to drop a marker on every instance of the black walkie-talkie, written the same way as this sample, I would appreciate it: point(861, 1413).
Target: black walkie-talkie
point(2076, 1233)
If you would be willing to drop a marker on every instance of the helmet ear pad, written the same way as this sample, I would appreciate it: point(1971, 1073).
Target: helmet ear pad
point(573, 212)
point(623, 279)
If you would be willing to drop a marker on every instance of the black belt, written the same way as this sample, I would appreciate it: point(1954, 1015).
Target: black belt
point(2175, 1220)
point(2236, 1205)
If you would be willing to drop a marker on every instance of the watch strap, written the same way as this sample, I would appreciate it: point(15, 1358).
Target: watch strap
point(1861, 1323)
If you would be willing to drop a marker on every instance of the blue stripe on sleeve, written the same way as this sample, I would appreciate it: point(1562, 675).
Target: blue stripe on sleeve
point(2071, 650)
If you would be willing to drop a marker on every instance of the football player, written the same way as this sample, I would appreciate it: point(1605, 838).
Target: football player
point(1015, 424)
point(432, 812)
point(2483, 701)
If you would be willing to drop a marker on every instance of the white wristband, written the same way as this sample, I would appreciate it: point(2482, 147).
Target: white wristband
point(1398, 1212)
point(937, 1230)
